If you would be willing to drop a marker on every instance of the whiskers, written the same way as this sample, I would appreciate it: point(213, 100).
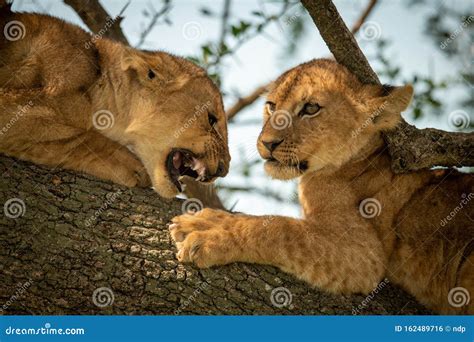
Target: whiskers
point(248, 148)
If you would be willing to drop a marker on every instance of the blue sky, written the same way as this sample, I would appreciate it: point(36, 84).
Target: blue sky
point(258, 61)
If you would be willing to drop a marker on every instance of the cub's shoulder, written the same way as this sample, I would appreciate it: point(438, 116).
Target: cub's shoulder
point(53, 50)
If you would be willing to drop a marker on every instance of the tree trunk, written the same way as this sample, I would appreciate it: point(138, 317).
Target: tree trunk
point(84, 246)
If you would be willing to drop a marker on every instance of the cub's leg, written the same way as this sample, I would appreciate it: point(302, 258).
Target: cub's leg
point(433, 258)
point(91, 153)
point(330, 254)
point(435, 275)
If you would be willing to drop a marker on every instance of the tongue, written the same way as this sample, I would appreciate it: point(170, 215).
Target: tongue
point(177, 159)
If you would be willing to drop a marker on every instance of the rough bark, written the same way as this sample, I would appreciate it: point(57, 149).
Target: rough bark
point(431, 147)
point(78, 234)
point(410, 148)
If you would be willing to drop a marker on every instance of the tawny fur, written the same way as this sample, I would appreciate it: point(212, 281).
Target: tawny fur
point(408, 239)
point(57, 76)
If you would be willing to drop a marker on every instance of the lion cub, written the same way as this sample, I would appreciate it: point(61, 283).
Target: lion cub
point(82, 103)
point(361, 221)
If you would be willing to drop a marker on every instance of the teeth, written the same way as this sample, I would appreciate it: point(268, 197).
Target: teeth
point(199, 167)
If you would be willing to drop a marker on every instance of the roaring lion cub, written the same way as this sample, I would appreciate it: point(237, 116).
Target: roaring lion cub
point(80, 102)
point(361, 221)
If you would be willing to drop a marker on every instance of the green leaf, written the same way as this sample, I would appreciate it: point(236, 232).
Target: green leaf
point(417, 113)
point(258, 13)
point(206, 12)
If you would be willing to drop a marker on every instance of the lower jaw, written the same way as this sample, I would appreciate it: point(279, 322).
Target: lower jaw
point(279, 171)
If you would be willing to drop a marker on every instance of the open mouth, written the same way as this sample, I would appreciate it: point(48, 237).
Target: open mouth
point(301, 166)
point(181, 162)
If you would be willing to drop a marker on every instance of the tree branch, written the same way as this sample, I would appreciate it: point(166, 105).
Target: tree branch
point(411, 149)
point(339, 39)
point(243, 102)
point(95, 17)
point(246, 101)
point(76, 236)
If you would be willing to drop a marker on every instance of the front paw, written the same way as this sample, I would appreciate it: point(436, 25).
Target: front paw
point(198, 243)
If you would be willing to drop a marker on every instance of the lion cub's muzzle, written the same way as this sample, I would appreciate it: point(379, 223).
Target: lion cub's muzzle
point(182, 162)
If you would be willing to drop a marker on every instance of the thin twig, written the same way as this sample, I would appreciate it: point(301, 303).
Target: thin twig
point(224, 30)
point(363, 17)
point(245, 101)
point(153, 22)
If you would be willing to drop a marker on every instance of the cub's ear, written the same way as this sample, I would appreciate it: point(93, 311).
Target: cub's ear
point(386, 103)
point(153, 70)
point(145, 73)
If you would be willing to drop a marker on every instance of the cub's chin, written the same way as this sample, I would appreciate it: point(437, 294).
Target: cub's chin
point(165, 186)
point(277, 170)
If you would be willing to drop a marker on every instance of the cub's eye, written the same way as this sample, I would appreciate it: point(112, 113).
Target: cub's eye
point(310, 109)
point(270, 107)
point(151, 74)
point(212, 119)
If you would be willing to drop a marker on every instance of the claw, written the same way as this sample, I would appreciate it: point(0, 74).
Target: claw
point(179, 255)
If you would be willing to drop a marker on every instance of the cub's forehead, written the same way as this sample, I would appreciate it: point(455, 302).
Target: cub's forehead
point(203, 87)
point(315, 75)
point(201, 91)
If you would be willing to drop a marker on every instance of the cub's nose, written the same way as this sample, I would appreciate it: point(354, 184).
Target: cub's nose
point(272, 145)
point(221, 169)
